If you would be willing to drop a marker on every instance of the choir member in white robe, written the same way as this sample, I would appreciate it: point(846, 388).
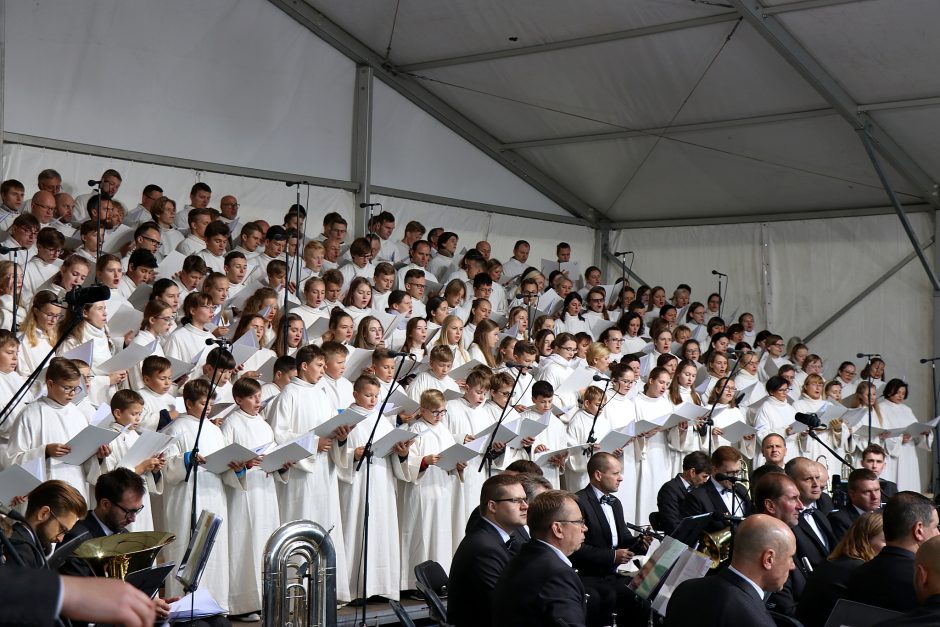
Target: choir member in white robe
point(188, 341)
point(892, 446)
point(655, 459)
point(93, 328)
point(775, 415)
point(552, 438)
point(846, 376)
point(312, 488)
point(337, 388)
point(154, 328)
point(437, 377)
point(126, 408)
point(747, 381)
point(726, 414)
point(811, 401)
point(38, 334)
point(40, 268)
point(620, 411)
point(426, 506)
point(47, 424)
point(687, 439)
point(467, 416)
point(10, 382)
point(557, 367)
point(156, 375)
point(253, 512)
point(579, 428)
point(210, 495)
point(384, 549)
point(897, 415)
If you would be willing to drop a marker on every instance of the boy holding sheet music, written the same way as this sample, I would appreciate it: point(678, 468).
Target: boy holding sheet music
point(126, 410)
point(552, 436)
point(253, 511)
point(156, 373)
point(338, 388)
point(426, 503)
point(441, 360)
point(579, 428)
point(388, 466)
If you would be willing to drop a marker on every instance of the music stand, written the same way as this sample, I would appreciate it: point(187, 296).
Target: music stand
point(197, 553)
point(691, 529)
point(853, 614)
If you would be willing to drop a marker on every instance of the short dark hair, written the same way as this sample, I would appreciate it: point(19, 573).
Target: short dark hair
point(859, 475)
point(542, 389)
point(525, 466)
point(770, 487)
point(545, 510)
point(59, 497)
point(724, 454)
point(697, 460)
point(112, 485)
point(495, 487)
point(903, 511)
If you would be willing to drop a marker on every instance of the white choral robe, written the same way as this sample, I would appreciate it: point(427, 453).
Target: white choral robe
point(36, 274)
point(45, 422)
point(554, 438)
point(177, 499)
point(384, 547)
point(30, 356)
point(463, 421)
point(427, 381)
point(153, 484)
point(556, 369)
point(253, 513)
point(339, 391)
point(103, 348)
point(153, 404)
point(135, 379)
point(655, 460)
point(775, 416)
point(426, 505)
point(10, 382)
point(579, 427)
point(808, 447)
point(6, 311)
point(186, 343)
point(312, 488)
point(904, 466)
point(620, 411)
point(724, 417)
point(522, 395)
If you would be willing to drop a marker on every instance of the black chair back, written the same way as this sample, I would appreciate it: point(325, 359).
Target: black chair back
point(432, 575)
point(401, 614)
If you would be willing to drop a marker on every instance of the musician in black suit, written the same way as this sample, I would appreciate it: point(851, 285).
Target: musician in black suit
point(52, 509)
point(119, 497)
point(814, 537)
point(539, 587)
point(695, 470)
point(763, 556)
point(887, 581)
point(775, 494)
point(927, 588)
point(864, 496)
point(485, 551)
point(873, 458)
point(607, 544)
point(716, 497)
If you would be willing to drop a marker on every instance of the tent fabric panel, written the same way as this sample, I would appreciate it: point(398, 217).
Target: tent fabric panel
point(225, 81)
point(413, 151)
point(917, 131)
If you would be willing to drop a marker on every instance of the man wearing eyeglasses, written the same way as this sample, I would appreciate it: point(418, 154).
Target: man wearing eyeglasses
point(119, 495)
point(485, 551)
point(52, 510)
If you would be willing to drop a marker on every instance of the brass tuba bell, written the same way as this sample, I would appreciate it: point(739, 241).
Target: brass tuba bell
point(717, 545)
point(115, 556)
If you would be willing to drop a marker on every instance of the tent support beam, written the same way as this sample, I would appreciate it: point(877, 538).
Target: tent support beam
point(174, 162)
point(3, 75)
point(870, 149)
point(321, 26)
point(477, 206)
point(820, 214)
point(792, 51)
point(868, 289)
point(362, 147)
point(631, 33)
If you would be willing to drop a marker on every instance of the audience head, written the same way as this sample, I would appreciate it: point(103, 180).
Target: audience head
point(555, 518)
point(763, 551)
point(864, 489)
point(503, 502)
point(777, 495)
point(52, 509)
point(805, 473)
point(910, 519)
point(120, 498)
point(863, 540)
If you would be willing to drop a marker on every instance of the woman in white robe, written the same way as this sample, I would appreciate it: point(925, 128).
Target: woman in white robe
point(39, 334)
point(897, 415)
point(747, 381)
point(620, 411)
point(254, 323)
point(188, 342)
point(812, 401)
point(681, 391)
point(6, 293)
point(727, 414)
point(655, 461)
point(253, 511)
point(93, 328)
point(451, 335)
point(631, 325)
point(426, 504)
point(571, 320)
point(775, 415)
point(557, 367)
point(846, 376)
point(154, 328)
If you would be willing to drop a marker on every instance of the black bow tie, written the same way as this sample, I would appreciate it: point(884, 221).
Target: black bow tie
point(726, 491)
point(607, 499)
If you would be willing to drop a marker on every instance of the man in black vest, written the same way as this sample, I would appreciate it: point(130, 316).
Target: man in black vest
point(485, 551)
point(120, 497)
point(763, 556)
point(864, 496)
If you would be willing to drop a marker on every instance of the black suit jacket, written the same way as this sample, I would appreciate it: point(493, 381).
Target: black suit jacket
point(537, 589)
point(28, 596)
point(841, 519)
point(478, 562)
point(595, 558)
point(886, 581)
point(705, 499)
point(888, 489)
point(926, 615)
point(825, 586)
point(26, 546)
point(669, 503)
point(722, 600)
point(825, 504)
point(808, 544)
point(90, 524)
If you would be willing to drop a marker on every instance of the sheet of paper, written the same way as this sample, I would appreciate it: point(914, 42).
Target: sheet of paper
point(149, 444)
point(316, 330)
point(402, 402)
point(347, 417)
point(357, 359)
point(290, 452)
point(218, 462)
point(127, 358)
point(140, 296)
point(199, 604)
point(16, 481)
point(86, 443)
point(113, 241)
point(461, 373)
point(543, 459)
point(170, 265)
point(244, 347)
point(82, 351)
point(612, 441)
point(579, 379)
point(504, 434)
point(179, 368)
point(456, 454)
point(384, 445)
point(736, 431)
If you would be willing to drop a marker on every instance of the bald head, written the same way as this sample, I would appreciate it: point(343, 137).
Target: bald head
point(763, 551)
point(927, 570)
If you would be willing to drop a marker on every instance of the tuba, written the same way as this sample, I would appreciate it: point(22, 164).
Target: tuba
point(716, 545)
point(299, 581)
point(115, 556)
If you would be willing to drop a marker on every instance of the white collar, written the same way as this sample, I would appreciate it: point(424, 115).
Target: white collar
point(502, 532)
point(104, 527)
point(560, 555)
point(758, 589)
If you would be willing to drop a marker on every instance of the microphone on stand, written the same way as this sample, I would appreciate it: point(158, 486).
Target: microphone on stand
point(719, 273)
point(723, 477)
point(621, 254)
point(810, 420)
point(400, 354)
point(512, 364)
point(598, 377)
point(81, 296)
point(864, 355)
point(298, 183)
point(220, 341)
point(94, 183)
point(923, 361)
point(363, 205)
point(11, 249)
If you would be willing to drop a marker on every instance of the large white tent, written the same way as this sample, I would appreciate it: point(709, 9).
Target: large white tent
point(700, 135)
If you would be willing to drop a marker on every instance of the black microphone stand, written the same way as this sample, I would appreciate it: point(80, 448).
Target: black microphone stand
point(99, 236)
point(367, 458)
point(76, 310)
point(589, 451)
point(721, 298)
point(192, 466)
point(936, 448)
point(488, 452)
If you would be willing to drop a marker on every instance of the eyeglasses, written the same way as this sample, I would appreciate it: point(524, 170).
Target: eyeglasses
point(579, 521)
point(46, 207)
point(55, 315)
point(129, 513)
point(568, 348)
point(68, 389)
point(437, 413)
point(420, 286)
point(519, 500)
point(153, 241)
point(62, 528)
point(615, 339)
point(164, 318)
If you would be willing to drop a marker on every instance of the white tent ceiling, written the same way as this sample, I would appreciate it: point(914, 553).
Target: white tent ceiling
point(647, 111)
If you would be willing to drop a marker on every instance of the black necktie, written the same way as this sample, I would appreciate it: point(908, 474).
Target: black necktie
point(607, 499)
point(689, 488)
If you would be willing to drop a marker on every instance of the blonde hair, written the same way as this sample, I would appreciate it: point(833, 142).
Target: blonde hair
point(856, 543)
point(432, 399)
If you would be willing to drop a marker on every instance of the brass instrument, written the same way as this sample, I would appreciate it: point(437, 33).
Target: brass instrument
point(717, 545)
point(115, 556)
point(299, 581)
